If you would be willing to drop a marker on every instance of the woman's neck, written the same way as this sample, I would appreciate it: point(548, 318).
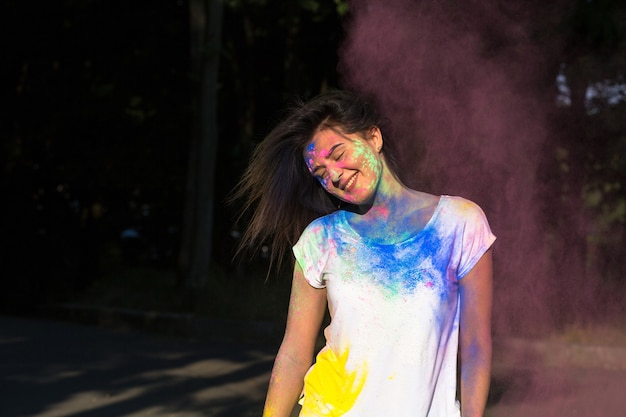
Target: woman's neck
point(395, 213)
point(390, 200)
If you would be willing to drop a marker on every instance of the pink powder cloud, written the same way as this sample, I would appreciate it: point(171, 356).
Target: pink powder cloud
point(459, 82)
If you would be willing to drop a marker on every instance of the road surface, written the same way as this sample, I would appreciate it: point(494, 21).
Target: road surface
point(59, 369)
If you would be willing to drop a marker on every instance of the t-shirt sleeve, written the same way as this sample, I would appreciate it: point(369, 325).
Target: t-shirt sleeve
point(311, 252)
point(476, 237)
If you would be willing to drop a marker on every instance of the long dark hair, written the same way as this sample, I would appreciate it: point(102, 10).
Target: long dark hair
point(277, 189)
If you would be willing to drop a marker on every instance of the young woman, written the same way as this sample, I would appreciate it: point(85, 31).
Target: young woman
point(406, 275)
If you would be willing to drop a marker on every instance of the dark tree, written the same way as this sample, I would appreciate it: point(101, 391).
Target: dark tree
point(205, 43)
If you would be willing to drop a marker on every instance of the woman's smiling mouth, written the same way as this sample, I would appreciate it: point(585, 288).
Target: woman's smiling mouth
point(350, 183)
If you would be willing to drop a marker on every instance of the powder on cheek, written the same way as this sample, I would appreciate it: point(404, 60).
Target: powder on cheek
point(370, 161)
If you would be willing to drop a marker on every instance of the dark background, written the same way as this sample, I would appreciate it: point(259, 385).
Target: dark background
point(96, 125)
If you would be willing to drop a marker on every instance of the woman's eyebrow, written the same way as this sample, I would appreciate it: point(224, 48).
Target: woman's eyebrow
point(332, 149)
point(328, 154)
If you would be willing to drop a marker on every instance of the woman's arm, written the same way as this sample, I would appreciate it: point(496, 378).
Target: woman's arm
point(475, 337)
point(307, 306)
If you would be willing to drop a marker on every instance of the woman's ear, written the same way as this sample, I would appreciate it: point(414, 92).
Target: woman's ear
point(376, 136)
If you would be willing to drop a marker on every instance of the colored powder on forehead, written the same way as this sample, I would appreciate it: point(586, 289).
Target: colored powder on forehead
point(310, 153)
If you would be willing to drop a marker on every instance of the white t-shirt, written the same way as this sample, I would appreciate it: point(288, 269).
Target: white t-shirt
point(391, 346)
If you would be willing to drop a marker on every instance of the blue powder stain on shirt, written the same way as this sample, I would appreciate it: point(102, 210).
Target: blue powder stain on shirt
point(400, 269)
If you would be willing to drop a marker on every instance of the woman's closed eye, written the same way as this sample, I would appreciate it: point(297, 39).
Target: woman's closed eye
point(319, 173)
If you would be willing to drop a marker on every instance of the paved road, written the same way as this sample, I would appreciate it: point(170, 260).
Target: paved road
point(58, 369)
point(54, 369)
point(558, 392)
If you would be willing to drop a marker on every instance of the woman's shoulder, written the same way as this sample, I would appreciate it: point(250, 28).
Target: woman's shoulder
point(461, 207)
point(322, 223)
point(460, 203)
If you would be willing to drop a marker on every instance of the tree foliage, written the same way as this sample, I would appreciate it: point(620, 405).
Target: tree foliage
point(98, 117)
point(591, 155)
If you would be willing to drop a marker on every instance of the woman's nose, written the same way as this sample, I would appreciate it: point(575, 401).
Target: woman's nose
point(335, 175)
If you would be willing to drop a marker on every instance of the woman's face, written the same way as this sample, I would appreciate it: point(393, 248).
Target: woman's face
point(348, 166)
